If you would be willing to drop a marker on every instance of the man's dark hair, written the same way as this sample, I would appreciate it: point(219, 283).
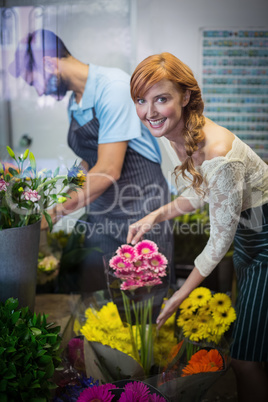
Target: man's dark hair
point(37, 44)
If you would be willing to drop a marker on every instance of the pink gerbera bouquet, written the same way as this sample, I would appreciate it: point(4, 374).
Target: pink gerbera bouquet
point(139, 267)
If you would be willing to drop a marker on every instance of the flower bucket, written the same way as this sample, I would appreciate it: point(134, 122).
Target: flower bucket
point(157, 293)
point(18, 263)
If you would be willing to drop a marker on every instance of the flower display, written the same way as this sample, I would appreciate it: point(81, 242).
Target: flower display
point(105, 326)
point(25, 193)
point(205, 317)
point(139, 267)
point(204, 361)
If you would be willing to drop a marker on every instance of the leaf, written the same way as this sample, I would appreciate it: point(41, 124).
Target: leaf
point(36, 331)
point(13, 172)
point(25, 155)
point(15, 317)
point(3, 397)
point(10, 350)
point(11, 304)
point(3, 385)
point(1, 168)
point(56, 172)
point(32, 161)
point(45, 359)
point(11, 152)
point(49, 220)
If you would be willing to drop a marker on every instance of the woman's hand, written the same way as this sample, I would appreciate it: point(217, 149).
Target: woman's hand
point(193, 280)
point(137, 229)
point(170, 307)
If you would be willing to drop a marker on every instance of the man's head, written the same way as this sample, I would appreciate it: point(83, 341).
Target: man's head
point(36, 61)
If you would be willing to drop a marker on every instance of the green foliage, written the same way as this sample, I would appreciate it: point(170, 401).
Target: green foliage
point(29, 354)
point(25, 194)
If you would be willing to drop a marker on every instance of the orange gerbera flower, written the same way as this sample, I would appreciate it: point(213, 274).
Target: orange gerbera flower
point(204, 361)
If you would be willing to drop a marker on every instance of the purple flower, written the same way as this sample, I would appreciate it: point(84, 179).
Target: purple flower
point(3, 185)
point(146, 248)
point(31, 195)
point(135, 392)
point(97, 394)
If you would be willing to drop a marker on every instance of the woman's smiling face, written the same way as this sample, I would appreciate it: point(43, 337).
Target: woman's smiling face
point(160, 109)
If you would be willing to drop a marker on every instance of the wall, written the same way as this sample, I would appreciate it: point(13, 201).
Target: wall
point(173, 26)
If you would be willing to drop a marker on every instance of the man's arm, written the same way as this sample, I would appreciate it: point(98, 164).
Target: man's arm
point(102, 175)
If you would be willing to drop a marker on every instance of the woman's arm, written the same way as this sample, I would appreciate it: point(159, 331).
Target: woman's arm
point(193, 280)
point(179, 206)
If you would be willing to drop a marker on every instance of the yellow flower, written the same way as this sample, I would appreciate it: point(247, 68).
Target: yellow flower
point(81, 177)
point(193, 331)
point(220, 302)
point(21, 189)
point(183, 319)
point(109, 316)
point(200, 296)
point(224, 317)
point(205, 309)
point(170, 321)
point(203, 319)
point(187, 306)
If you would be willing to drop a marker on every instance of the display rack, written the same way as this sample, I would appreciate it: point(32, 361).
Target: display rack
point(234, 65)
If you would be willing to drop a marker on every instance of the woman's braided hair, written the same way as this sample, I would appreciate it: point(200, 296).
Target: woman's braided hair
point(166, 66)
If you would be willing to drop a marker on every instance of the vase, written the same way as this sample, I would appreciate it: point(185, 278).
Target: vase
point(18, 263)
point(157, 293)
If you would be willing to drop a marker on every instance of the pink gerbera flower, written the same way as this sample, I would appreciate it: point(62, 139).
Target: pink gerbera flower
point(31, 195)
point(127, 252)
point(118, 263)
point(140, 264)
point(132, 284)
point(146, 248)
point(97, 394)
point(135, 392)
point(153, 282)
point(158, 261)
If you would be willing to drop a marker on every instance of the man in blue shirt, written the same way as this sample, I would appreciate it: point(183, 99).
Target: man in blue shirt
point(124, 180)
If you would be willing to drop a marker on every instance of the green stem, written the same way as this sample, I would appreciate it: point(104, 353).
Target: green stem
point(54, 180)
point(129, 321)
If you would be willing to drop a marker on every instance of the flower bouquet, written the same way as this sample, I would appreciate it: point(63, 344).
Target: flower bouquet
point(201, 355)
point(137, 273)
point(108, 346)
point(89, 390)
point(25, 194)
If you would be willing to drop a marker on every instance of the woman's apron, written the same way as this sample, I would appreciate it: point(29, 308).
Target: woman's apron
point(250, 334)
point(141, 189)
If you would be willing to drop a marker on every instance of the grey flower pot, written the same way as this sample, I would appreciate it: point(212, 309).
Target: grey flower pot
point(18, 264)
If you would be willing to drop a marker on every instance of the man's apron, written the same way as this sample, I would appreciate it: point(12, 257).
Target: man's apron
point(141, 189)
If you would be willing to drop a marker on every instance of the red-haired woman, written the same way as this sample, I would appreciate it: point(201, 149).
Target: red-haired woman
point(217, 167)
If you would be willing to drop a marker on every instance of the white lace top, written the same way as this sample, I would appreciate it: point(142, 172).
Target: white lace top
point(232, 184)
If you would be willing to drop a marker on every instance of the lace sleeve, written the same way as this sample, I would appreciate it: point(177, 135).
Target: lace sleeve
point(225, 190)
point(186, 191)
